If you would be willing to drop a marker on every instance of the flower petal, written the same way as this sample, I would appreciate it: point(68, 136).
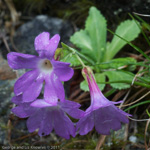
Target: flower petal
point(53, 44)
point(107, 118)
point(117, 102)
point(50, 94)
point(63, 125)
point(17, 99)
point(121, 115)
point(34, 120)
point(24, 110)
point(25, 81)
point(59, 88)
point(85, 124)
point(42, 41)
point(46, 125)
point(69, 104)
point(103, 120)
point(22, 61)
point(62, 70)
point(40, 103)
point(72, 111)
point(33, 91)
point(46, 46)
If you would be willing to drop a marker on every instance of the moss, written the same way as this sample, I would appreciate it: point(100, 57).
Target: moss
point(115, 145)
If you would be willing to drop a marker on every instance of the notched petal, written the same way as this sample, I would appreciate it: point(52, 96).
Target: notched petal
point(22, 61)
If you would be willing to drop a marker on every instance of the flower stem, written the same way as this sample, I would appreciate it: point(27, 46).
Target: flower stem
point(82, 63)
point(100, 142)
point(78, 55)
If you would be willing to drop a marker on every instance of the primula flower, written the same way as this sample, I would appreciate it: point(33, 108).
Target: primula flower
point(44, 69)
point(102, 113)
point(46, 116)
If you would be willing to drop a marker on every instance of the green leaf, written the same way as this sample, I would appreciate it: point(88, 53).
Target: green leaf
point(96, 28)
point(144, 23)
point(127, 30)
point(100, 77)
point(82, 40)
point(148, 113)
point(84, 86)
point(76, 52)
point(119, 63)
point(70, 57)
point(110, 92)
point(138, 104)
point(140, 27)
point(145, 78)
point(119, 76)
point(132, 45)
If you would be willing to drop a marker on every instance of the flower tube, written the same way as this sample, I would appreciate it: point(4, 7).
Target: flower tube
point(102, 113)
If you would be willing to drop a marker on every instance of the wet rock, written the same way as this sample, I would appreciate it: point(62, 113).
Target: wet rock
point(25, 35)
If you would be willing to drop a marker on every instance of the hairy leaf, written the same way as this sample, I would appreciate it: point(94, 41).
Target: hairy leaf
point(82, 40)
point(127, 30)
point(66, 56)
point(96, 28)
point(119, 63)
point(118, 77)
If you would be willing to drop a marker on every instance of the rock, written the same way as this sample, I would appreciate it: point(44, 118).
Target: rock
point(133, 139)
point(6, 90)
point(6, 93)
point(25, 35)
point(5, 71)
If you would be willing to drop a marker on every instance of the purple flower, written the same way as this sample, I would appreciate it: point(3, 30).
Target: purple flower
point(44, 69)
point(50, 112)
point(46, 116)
point(102, 113)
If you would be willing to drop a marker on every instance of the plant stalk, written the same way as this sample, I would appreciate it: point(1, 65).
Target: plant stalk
point(78, 54)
